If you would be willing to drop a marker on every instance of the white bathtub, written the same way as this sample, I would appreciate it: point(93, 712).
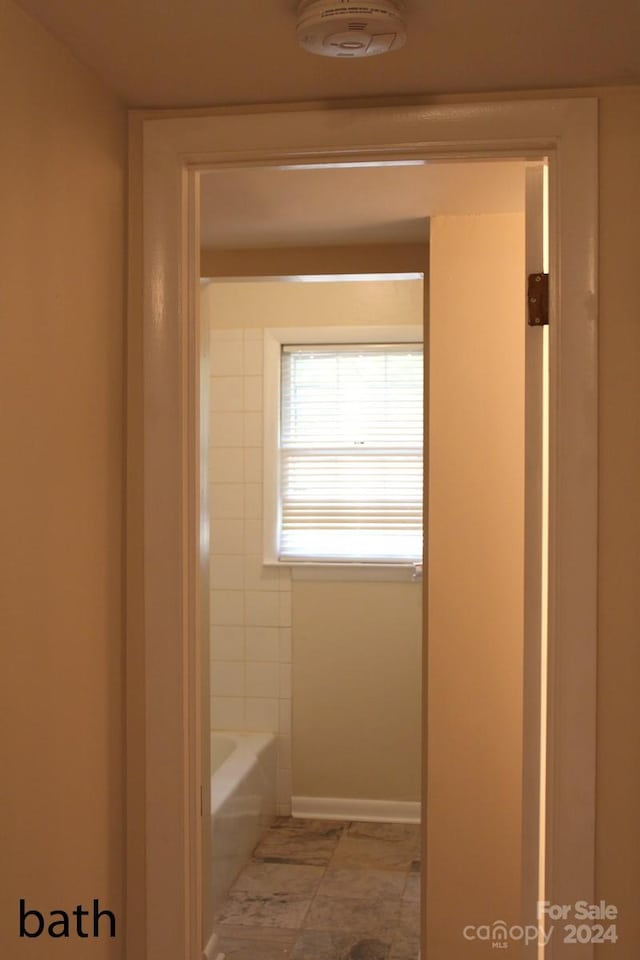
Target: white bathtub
point(243, 802)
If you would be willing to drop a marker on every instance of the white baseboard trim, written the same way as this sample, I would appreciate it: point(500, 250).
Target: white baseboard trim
point(346, 808)
point(210, 952)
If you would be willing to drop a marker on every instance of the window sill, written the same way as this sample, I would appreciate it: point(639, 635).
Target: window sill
point(365, 572)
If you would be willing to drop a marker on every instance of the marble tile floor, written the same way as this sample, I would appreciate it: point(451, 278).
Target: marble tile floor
point(326, 890)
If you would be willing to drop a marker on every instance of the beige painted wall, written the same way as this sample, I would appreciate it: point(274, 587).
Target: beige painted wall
point(618, 741)
point(290, 261)
point(273, 303)
point(355, 661)
point(476, 592)
point(82, 767)
point(62, 163)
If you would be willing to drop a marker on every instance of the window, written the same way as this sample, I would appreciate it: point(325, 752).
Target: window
point(348, 449)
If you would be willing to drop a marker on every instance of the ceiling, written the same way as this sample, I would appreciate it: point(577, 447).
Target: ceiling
point(271, 207)
point(179, 53)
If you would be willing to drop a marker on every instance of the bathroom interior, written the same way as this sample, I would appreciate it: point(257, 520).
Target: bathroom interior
point(313, 839)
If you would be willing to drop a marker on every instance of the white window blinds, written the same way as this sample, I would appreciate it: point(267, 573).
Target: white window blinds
point(351, 453)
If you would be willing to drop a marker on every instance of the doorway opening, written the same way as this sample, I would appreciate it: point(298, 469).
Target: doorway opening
point(341, 864)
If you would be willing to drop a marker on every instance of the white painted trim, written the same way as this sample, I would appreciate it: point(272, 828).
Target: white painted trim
point(573, 505)
point(355, 572)
point(347, 808)
point(173, 150)
point(535, 526)
point(319, 278)
point(274, 338)
point(210, 951)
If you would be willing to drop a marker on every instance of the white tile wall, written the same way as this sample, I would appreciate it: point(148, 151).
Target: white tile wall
point(284, 681)
point(262, 680)
point(227, 536)
point(253, 536)
point(253, 464)
point(284, 751)
point(227, 608)
point(284, 609)
point(227, 393)
point(226, 572)
point(226, 358)
point(228, 464)
point(250, 603)
point(227, 713)
point(263, 644)
point(252, 394)
point(284, 638)
point(227, 500)
point(228, 679)
point(261, 713)
point(284, 718)
point(285, 578)
point(252, 429)
point(253, 357)
point(226, 428)
point(262, 608)
point(253, 501)
point(227, 643)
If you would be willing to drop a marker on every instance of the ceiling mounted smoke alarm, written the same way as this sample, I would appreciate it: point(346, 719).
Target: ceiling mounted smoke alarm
point(351, 28)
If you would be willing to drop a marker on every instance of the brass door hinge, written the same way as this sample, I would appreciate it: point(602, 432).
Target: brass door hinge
point(538, 299)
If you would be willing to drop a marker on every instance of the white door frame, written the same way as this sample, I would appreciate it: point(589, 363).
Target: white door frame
point(163, 805)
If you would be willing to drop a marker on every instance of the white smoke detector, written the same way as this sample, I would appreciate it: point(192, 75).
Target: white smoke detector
point(351, 28)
